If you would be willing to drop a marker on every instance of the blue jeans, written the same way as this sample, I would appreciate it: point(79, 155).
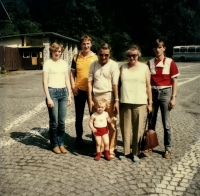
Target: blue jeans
point(57, 116)
point(161, 99)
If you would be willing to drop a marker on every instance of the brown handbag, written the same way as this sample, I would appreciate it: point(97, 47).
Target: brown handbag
point(149, 139)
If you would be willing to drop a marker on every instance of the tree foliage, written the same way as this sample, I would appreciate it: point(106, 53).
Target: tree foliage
point(116, 22)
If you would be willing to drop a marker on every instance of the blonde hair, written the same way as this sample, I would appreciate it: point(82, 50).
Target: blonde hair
point(102, 101)
point(55, 46)
point(133, 48)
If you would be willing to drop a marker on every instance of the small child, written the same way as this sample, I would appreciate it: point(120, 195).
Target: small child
point(98, 124)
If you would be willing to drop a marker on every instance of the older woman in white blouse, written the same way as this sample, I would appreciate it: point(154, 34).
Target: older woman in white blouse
point(135, 99)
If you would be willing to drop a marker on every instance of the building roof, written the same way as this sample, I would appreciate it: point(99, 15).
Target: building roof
point(41, 34)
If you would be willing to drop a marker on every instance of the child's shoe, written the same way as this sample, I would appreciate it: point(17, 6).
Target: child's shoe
point(107, 155)
point(98, 156)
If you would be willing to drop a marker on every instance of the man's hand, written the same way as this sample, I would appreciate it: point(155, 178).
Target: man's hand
point(172, 103)
point(116, 107)
point(75, 91)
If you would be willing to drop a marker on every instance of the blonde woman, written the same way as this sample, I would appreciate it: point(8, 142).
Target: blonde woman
point(135, 99)
point(57, 89)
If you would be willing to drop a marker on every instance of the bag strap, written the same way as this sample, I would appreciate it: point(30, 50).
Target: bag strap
point(148, 121)
point(76, 57)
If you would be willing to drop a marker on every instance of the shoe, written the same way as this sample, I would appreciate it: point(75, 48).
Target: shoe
point(136, 159)
point(167, 154)
point(107, 155)
point(147, 151)
point(56, 150)
point(63, 149)
point(98, 156)
point(128, 156)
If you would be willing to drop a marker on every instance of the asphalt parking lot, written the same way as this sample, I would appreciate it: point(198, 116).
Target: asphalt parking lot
point(29, 167)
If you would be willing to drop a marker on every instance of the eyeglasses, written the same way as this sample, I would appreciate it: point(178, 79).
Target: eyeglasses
point(106, 55)
point(132, 55)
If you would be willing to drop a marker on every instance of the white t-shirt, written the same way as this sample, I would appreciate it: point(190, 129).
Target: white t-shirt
point(104, 77)
point(100, 119)
point(133, 88)
point(57, 71)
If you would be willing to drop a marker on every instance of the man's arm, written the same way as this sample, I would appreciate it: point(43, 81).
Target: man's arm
point(91, 103)
point(72, 81)
point(116, 95)
point(172, 102)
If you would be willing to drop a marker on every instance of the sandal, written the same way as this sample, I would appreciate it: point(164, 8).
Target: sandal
point(113, 155)
point(147, 151)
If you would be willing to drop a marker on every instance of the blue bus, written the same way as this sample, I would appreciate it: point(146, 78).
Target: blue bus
point(186, 53)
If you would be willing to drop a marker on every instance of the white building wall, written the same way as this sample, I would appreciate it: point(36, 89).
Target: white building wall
point(46, 52)
point(70, 55)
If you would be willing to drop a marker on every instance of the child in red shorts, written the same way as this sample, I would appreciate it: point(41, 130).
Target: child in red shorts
point(98, 124)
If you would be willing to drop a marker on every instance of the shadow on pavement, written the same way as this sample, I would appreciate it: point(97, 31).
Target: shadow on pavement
point(30, 139)
point(39, 137)
point(159, 152)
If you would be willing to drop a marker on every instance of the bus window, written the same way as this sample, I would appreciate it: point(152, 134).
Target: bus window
point(191, 49)
point(198, 49)
point(183, 49)
point(176, 50)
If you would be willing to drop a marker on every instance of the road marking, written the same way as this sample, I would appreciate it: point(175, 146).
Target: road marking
point(181, 173)
point(181, 83)
point(23, 118)
point(189, 66)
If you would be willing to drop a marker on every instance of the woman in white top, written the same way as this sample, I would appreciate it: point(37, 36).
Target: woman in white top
point(135, 98)
point(58, 95)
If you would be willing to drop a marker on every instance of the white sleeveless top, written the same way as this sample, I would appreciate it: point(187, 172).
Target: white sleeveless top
point(100, 119)
point(133, 88)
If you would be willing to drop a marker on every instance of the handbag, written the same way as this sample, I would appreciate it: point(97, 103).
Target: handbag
point(149, 139)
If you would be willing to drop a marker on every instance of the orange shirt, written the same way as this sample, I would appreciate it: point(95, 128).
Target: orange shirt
point(82, 67)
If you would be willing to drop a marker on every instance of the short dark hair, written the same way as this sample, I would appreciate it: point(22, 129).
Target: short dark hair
point(157, 42)
point(104, 46)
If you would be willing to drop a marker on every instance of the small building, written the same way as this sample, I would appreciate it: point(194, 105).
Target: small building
point(33, 49)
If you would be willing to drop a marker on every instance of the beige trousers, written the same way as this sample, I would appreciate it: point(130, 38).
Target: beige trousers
point(112, 128)
point(132, 126)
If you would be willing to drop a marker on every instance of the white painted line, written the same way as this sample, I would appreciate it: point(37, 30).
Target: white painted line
point(181, 83)
point(21, 119)
point(181, 173)
point(189, 66)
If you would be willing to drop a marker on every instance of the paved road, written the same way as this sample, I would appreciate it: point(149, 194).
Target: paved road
point(28, 167)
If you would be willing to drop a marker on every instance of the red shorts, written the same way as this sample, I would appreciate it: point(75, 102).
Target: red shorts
point(100, 131)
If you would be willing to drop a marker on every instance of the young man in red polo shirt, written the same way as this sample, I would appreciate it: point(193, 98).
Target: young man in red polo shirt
point(164, 74)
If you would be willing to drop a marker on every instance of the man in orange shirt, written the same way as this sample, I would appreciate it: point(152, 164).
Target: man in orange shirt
point(79, 83)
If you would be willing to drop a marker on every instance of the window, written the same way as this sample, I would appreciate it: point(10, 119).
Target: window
point(183, 49)
point(176, 50)
point(26, 55)
point(34, 54)
point(191, 49)
point(198, 49)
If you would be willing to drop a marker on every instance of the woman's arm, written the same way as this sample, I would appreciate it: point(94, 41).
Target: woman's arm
point(67, 83)
point(148, 91)
point(45, 76)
